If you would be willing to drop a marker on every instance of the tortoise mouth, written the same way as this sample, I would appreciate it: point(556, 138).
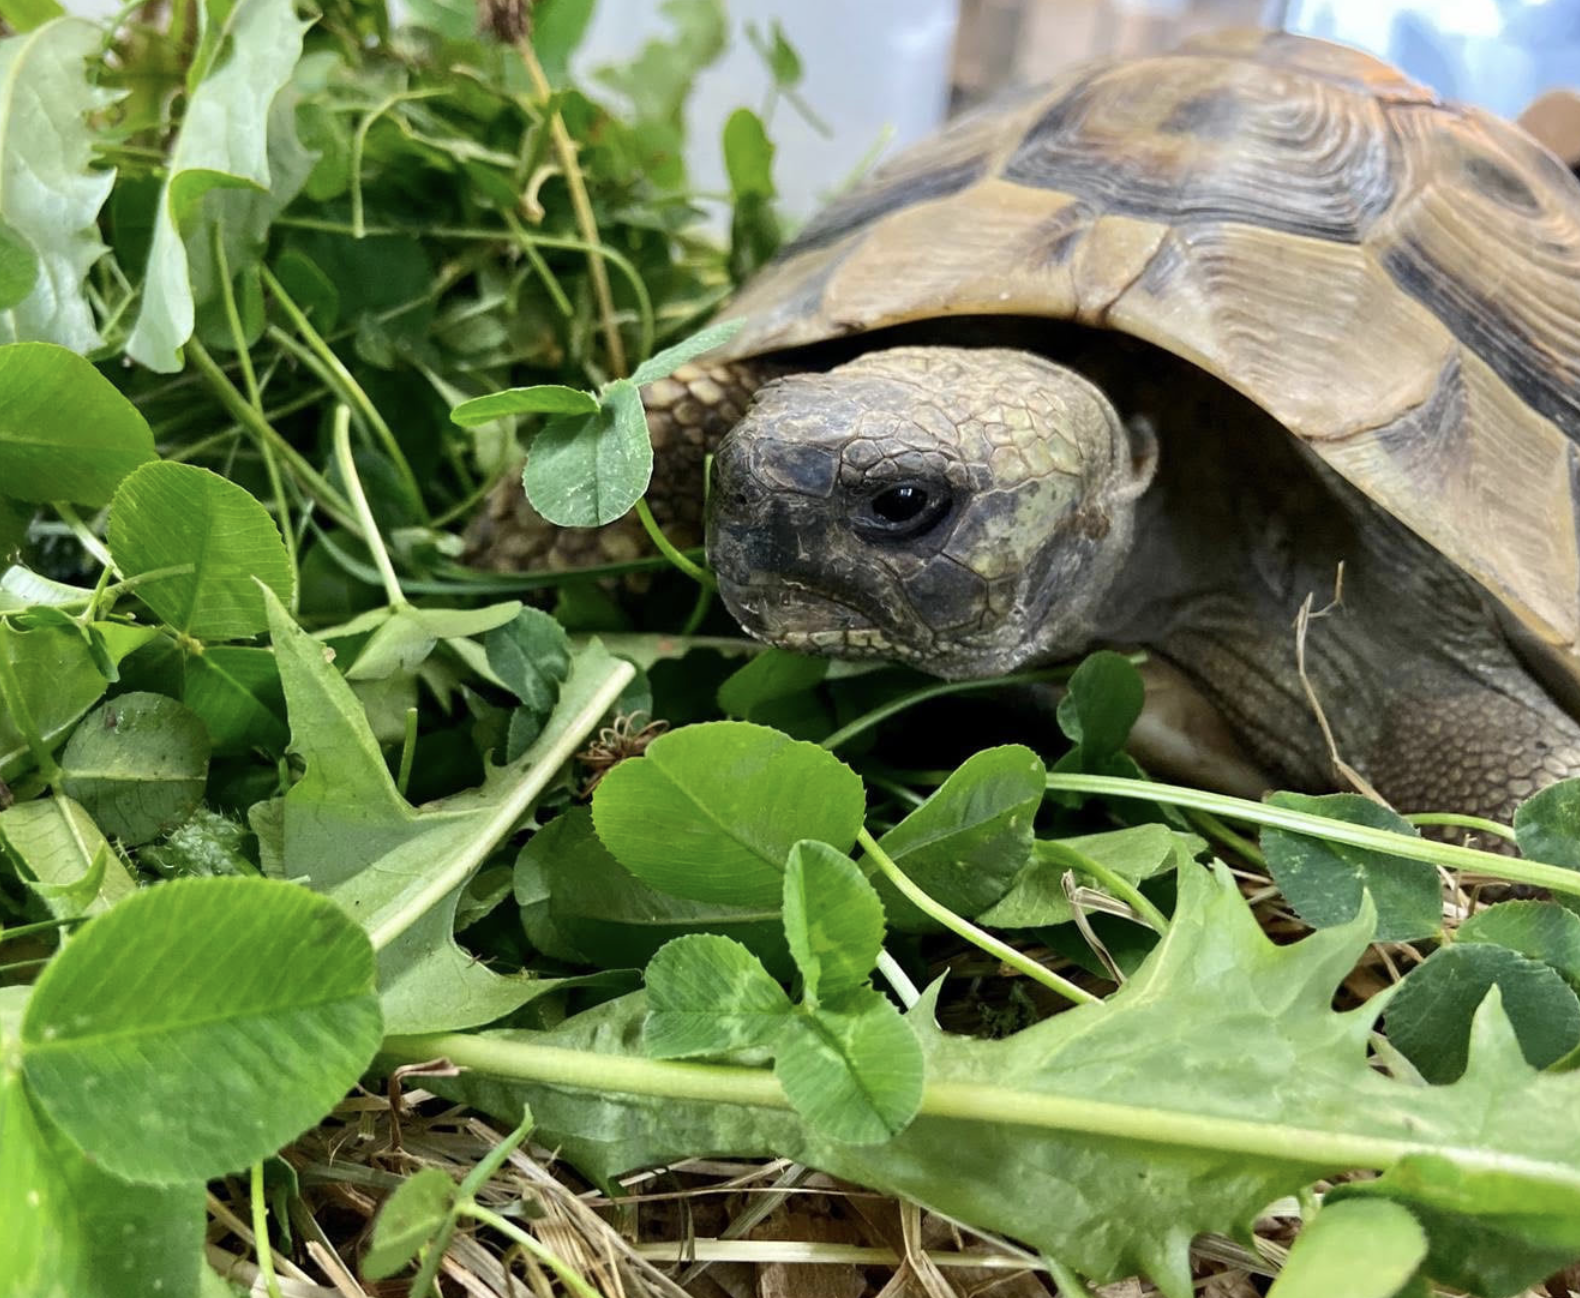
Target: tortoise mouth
point(806, 618)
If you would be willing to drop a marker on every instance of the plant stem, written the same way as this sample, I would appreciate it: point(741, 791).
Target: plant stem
point(896, 977)
point(525, 1061)
point(666, 547)
point(351, 390)
point(408, 750)
point(1450, 855)
point(878, 715)
point(84, 534)
point(1063, 854)
point(966, 929)
point(581, 205)
point(1479, 823)
point(238, 335)
point(265, 434)
point(359, 502)
point(260, 1234)
point(575, 1283)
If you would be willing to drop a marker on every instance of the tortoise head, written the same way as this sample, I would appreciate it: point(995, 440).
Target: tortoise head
point(963, 510)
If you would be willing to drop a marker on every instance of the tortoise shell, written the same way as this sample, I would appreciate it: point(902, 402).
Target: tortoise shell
point(1394, 278)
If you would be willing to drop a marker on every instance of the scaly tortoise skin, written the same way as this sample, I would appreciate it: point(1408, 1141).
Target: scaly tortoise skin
point(1391, 278)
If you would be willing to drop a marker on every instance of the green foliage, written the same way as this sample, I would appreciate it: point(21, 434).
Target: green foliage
point(1359, 1248)
point(145, 1052)
point(1325, 881)
point(50, 202)
point(230, 143)
point(277, 666)
point(712, 811)
point(965, 844)
point(138, 765)
point(65, 432)
point(204, 548)
point(411, 1217)
point(1429, 1018)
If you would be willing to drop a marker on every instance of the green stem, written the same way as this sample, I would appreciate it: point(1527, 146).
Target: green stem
point(1218, 832)
point(1063, 854)
point(568, 1277)
point(666, 547)
point(359, 502)
point(84, 534)
point(1451, 855)
point(581, 206)
point(238, 335)
point(974, 1101)
point(1479, 823)
point(966, 929)
point(877, 716)
point(260, 1234)
point(266, 435)
point(42, 926)
point(350, 389)
point(408, 751)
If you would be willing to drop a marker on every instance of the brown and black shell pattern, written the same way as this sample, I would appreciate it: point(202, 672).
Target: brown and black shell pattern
point(1395, 278)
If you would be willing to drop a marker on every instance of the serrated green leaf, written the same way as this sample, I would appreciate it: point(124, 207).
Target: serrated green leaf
point(709, 995)
point(581, 905)
point(231, 137)
point(409, 1219)
point(1216, 1080)
point(199, 1025)
point(1547, 826)
point(1324, 881)
point(833, 920)
point(854, 1073)
point(205, 546)
point(1430, 1015)
point(542, 399)
point(664, 363)
point(138, 764)
point(1538, 930)
point(75, 1231)
point(965, 845)
point(711, 811)
point(589, 471)
point(52, 194)
point(348, 832)
point(1358, 1248)
point(65, 432)
point(1491, 1230)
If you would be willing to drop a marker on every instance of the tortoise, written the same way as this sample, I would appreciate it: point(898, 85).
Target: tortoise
point(1149, 357)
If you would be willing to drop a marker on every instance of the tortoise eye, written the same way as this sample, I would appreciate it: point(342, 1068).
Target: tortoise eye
point(899, 504)
point(902, 511)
